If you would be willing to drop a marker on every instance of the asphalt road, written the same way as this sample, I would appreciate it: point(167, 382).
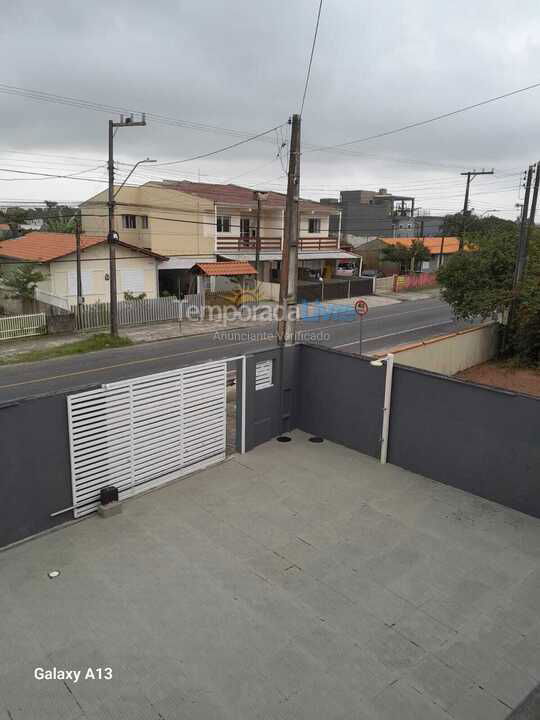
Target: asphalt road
point(383, 327)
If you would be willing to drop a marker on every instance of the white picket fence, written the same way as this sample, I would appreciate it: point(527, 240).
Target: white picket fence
point(16, 326)
point(141, 312)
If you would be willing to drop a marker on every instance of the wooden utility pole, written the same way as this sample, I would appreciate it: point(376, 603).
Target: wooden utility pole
point(289, 258)
point(112, 236)
point(80, 298)
point(471, 174)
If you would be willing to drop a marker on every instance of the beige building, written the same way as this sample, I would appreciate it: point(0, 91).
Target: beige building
point(200, 222)
point(54, 255)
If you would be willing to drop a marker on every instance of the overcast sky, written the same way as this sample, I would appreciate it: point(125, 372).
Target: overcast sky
point(241, 64)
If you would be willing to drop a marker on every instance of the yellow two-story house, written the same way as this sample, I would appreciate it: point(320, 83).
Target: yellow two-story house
point(192, 222)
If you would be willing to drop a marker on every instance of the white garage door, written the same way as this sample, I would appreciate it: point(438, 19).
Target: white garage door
point(140, 433)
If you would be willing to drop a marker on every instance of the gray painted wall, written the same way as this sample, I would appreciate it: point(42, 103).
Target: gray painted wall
point(35, 469)
point(340, 398)
point(479, 439)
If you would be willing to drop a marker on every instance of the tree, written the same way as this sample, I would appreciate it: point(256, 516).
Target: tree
point(478, 283)
point(22, 282)
point(58, 218)
point(408, 256)
point(14, 216)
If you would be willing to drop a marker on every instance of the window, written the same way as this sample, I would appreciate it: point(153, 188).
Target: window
point(129, 222)
point(132, 280)
point(224, 223)
point(263, 374)
point(314, 225)
point(86, 277)
point(144, 222)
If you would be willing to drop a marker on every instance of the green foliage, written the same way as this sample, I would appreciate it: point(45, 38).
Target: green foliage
point(59, 218)
point(22, 281)
point(452, 225)
point(478, 283)
point(89, 344)
point(408, 257)
point(128, 295)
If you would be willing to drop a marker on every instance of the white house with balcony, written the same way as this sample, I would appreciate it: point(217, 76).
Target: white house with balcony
point(192, 222)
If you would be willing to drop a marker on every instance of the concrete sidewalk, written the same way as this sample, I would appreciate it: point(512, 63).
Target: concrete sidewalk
point(300, 581)
point(137, 333)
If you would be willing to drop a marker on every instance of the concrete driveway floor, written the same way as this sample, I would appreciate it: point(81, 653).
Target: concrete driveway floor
point(300, 581)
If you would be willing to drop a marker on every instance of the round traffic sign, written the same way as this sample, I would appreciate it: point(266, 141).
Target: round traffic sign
point(361, 307)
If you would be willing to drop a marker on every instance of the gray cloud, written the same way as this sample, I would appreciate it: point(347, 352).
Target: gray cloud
point(241, 65)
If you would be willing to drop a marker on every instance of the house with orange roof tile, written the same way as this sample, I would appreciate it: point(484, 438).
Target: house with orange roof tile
point(54, 254)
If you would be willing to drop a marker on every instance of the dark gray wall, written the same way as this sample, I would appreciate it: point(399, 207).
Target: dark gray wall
point(478, 439)
point(35, 475)
point(340, 398)
point(263, 406)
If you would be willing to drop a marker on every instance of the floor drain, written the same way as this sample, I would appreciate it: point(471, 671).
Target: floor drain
point(284, 438)
point(316, 439)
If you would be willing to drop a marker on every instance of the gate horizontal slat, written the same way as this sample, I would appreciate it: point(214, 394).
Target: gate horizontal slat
point(133, 432)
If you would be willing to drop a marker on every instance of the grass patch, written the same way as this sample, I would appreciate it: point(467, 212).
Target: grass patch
point(89, 344)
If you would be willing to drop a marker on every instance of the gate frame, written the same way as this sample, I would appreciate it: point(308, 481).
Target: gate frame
point(135, 490)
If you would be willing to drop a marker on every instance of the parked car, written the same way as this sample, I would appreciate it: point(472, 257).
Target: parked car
point(346, 269)
point(372, 273)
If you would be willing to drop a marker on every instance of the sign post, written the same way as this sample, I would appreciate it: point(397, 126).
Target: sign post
point(361, 308)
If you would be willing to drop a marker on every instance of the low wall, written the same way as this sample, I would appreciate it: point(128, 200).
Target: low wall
point(36, 476)
point(450, 354)
point(482, 440)
point(384, 285)
point(478, 439)
point(340, 398)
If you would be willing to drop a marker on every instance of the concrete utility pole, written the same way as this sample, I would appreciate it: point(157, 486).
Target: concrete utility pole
point(522, 247)
point(471, 174)
point(112, 236)
point(80, 298)
point(260, 197)
point(289, 259)
point(523, 243)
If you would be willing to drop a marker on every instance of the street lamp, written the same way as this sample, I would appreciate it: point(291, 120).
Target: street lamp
point(112, 236)
point(378, 362)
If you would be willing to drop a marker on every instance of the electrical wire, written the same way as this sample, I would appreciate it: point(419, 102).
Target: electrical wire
point(308, 74)
point(220, 150)
point(429, 120)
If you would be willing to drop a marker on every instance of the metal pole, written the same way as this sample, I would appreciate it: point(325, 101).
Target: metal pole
point(360, 334)
point(111, 236)
point(465, 209)
point(387, 404)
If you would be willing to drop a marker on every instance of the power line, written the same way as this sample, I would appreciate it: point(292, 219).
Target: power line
point(49, 175)
point(311, 57)
point(429, 120)
point(220, 150)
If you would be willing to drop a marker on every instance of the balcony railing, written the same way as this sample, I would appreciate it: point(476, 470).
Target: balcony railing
point(318, 243)
point(243, 244)
point(248, 244)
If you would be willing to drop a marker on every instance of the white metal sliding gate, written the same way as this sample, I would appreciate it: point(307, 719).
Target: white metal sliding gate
point(139, 433)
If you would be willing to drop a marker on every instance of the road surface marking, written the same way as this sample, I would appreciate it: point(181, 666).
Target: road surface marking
point(75, 373)
point(401, 332)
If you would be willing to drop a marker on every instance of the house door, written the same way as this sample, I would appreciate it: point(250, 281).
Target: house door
point(245, 223)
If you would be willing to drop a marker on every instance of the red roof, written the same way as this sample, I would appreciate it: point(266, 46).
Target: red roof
point(47, 246)
point(4, 226)
point(433, 244)
point(238, 195)
point(225, 268)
